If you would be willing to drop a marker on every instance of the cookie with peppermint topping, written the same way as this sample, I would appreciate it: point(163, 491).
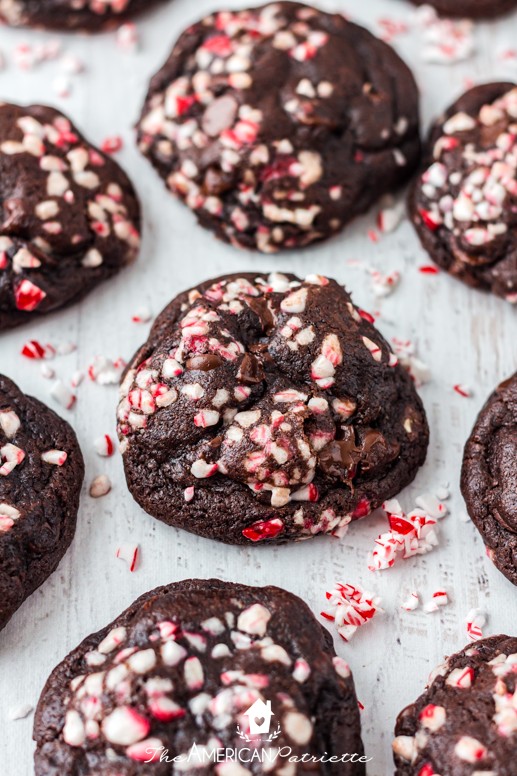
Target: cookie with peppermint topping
point(465, 723)
point(464, 202)
point(193, 671)
point(71, 15)
point(267, 409)
point(278, 125)
point(41, 473)
point(71, 217)
point(474, 9)
point(489, 477)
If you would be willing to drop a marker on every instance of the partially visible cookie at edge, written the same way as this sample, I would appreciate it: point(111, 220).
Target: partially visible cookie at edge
point(41, 473)
point(489, 477)
point(464, 201)
point(474, 9)
point(465, 723)
point(72, 15)
point(71, 217)
point(267, 409)
point(187, 670)
point(278, 125)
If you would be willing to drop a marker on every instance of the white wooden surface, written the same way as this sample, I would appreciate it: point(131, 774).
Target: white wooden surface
point(464, 336)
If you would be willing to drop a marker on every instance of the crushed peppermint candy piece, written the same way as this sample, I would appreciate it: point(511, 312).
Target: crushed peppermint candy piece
point(104, 371)
point(54, 457)
point(63, 395)
point(410, 534)
point(349, 608)
point(411, 603)
point(405, 350)
point(104, 445)
point(142, 315)
point(439, 598)
point(20, 712)
point(129, 553)
point(444, 40)
point(462, 390)
point(100, 486)
point(475, 621)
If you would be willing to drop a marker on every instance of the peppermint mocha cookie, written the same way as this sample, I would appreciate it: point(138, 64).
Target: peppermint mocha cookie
point(277, 125)
point(489, 477)
point(465, 723)
point(464, 204)
point(71, 217)
point(267, 409)
point(194, 668)
point(70, 15)
point(41, 473)
point(475, 9)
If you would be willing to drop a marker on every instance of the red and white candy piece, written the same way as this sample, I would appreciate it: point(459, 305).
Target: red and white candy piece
point(129, 553)
point(349, 608)
point(9, 423)
point(54, 457)
point(62, 394)
point(470, 750)
point(475, 621)
point(411, 603)
point(28, 296)
point(125, 726)
point(461, 678)
point(104, 446)
point(439, 598)
point(100, 486)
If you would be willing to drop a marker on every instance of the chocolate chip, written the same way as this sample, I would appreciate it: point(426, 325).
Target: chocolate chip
point(204, 363)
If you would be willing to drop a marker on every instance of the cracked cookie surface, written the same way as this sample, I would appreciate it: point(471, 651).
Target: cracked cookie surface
point(267, 408)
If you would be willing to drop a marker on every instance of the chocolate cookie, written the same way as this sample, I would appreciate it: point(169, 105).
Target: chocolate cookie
point(71, 217)
point(41, 473)
point(475, 9)
point(267, 408)
point(71, 15)
point(464, 204)
point(195, 668)
point(278, 125)
point(489, 477)
point(465, 723)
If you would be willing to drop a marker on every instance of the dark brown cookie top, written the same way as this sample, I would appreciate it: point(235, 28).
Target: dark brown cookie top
point(41, 473)
point(277, 125)
point(266, 407)
point(465, 723)
point(180, 669)
point(476, 9)
point(71, 217)
point(489, 476)
point(464, 204)
point(70, 15)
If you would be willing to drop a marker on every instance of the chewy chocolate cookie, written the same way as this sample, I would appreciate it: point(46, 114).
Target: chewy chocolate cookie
point(464, 204)
point(71, 15)
point(474, 9)
point(194, 668)
point(41, 473)
point(71, 217)
point(278, 125)
point(465, 723)
point(267, 409)
point(489, 477)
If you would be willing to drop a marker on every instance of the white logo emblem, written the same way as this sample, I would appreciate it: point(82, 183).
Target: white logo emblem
point(259, 721)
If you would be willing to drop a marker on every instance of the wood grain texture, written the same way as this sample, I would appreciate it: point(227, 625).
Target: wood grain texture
point(464, 336)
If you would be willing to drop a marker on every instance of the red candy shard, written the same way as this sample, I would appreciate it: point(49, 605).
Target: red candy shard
point(33, 349)
point(264, 529)
point(429, 221)
point(362, 509)
point(428, 269)
point(27, 296)
point(112, 144)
